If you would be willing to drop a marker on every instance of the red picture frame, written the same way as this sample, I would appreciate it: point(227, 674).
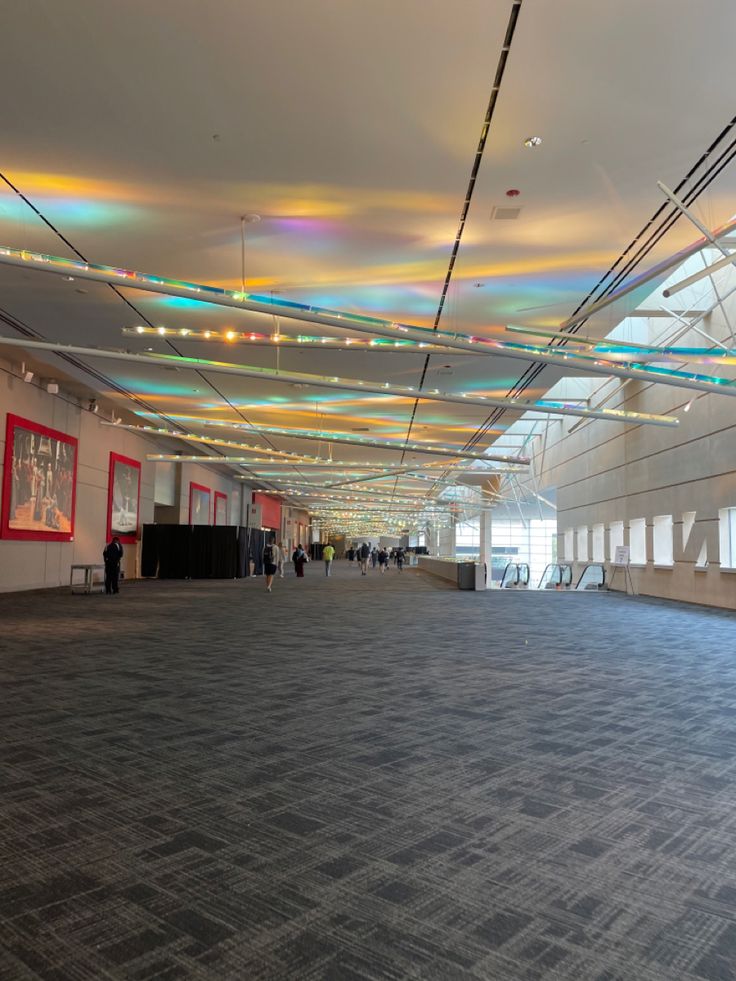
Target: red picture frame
point(39, 482)
point(197, 494)
point(219, 496)
point(120, 513)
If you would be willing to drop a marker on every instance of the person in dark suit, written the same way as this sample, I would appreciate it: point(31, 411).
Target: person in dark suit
point(112, 555)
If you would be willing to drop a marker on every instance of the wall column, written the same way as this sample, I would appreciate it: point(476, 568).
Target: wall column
point(486, 537)
point(447, 540)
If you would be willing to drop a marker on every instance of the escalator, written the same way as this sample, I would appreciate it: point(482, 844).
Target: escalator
point(593, 577)
point(556, 575)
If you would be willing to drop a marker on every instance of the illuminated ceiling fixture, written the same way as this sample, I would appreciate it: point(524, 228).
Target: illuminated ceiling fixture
point(251, 338)
point(631, 351)
point(320, 437)
point(365, 324)
point(533, 141)
point(358, 385)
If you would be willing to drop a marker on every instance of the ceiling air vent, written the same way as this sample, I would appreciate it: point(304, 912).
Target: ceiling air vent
point(502, 213)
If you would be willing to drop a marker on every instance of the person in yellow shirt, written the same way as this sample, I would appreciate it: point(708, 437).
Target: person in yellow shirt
point(328, 554)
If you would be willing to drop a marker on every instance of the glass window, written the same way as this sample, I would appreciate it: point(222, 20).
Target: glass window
point(662, 539)
point(615, 538)
point(569, 544)
point(599, 543)
point(727, 536)
point(638, 540)
point(583, 543)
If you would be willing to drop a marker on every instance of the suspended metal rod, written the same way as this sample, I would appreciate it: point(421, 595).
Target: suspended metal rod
point(341, 384)
point(354, 322)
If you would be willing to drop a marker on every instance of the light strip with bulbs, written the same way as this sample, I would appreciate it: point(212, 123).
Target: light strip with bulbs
point(288, 309)
point(253, 338)
point(346, 384)
point(324, 437)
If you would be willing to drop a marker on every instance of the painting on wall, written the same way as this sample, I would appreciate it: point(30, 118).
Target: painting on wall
point(39, 482)
point(220, 508)
point(123, 498)
point(199, 504)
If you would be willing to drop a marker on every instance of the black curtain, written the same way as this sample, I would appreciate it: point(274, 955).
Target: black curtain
point(190, 551)
point(243, 570)
point(224, 552)
point(149, 551)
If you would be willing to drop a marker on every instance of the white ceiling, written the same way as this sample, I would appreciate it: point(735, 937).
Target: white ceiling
point(143, 131)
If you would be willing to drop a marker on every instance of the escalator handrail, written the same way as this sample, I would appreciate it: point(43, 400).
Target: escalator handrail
point(593, 565)
point(510, 565)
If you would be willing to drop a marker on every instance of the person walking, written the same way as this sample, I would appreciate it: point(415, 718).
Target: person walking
point(374, 557)
point(328, 554)
point(280, 563)
point(299, 558)
point(112, 556)
point(382, 560)
point(365, 551)
point(271, 554)
point(399, 558)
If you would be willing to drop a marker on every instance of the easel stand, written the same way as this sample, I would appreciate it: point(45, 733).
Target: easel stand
point(628, 581)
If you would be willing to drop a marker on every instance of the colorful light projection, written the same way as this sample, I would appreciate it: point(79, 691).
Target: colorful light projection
point(352, 384)
point(289, 309)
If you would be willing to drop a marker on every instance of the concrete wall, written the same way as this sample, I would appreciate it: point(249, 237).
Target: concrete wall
point(32, 565)
point(606, 472)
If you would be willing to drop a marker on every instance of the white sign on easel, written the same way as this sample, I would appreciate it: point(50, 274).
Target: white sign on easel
point(621, 560)
point(622, 555)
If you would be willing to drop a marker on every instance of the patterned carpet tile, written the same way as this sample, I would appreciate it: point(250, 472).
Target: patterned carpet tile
point(363, 778)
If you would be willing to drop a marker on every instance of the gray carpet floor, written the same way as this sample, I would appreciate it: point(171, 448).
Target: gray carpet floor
point(365, 778)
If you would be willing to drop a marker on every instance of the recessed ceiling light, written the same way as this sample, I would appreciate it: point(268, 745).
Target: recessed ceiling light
point(532, 141)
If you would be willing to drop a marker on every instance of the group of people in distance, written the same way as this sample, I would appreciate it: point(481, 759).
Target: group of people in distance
point(274, 556)
point(380, 557)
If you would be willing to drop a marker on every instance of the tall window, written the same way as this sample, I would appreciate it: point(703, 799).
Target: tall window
point(583, 543)
point(569, 544)
point(638, 540)
point(727, 536)
point(662, 539)
point(599, 543)
point(615, 538)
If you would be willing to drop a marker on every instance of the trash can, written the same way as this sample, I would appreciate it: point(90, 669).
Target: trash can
point(466, 575)
point(480, 575)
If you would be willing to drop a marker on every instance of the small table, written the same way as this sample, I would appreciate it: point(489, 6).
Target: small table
point(89, 578)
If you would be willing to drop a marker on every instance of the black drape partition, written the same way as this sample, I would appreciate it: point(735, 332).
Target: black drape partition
point(315, 551)
point(224, 552)
point(201, 554)
point(242, 568)
point(190, 551)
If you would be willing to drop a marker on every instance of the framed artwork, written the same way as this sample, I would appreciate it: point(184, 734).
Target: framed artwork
point(220, 508)
point(39, 482)
point(123, 498)
point(199, 504)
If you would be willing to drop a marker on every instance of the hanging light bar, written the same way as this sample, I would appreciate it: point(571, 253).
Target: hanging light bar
point(324, 436)
point(251, 338)
point(346, 384)
point(727, 260)
point(609, 347)
point(289, 309)
point(384, 444)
